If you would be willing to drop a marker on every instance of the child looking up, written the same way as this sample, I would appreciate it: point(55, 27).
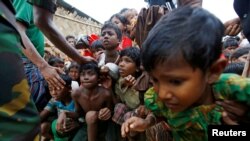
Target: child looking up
point(111, 36)
point(124, 88)
point(94, 102)
point(186, 68)
point(61, 102)
point(122, 23)
point(98, 50)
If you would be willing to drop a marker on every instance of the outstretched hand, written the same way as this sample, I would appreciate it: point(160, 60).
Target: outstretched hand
point(87, 59)
point(133, 124)
point(51, 75)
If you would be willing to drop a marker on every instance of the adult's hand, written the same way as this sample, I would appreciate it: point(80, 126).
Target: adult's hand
point(51, 75)
point(232, 27)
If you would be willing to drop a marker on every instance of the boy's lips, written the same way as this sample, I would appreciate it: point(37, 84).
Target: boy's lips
point(171, 105)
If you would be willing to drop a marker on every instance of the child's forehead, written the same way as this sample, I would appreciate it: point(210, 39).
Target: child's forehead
point(108, 29)
point(172, 62)
point(88, 70)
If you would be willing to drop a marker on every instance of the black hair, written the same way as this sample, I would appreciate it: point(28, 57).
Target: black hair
point(53, 60)
point(97, 44)
point(235, 67)
point(239, 52)
point(122, 18)
point(190, 32)
point(111, 25)
point(66, 79)
point(90, 66)
point(69, 36)
point(230, 41)
point(73, 65)
point(132, 52)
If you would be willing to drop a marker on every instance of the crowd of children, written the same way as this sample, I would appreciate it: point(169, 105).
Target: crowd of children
point(185, 75)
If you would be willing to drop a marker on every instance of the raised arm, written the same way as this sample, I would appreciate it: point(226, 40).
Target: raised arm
point(49, 73)
point(44, 20)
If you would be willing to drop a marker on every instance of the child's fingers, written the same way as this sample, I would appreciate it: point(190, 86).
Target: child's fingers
point(227, 119)
point(126, 127)
point(105, 115)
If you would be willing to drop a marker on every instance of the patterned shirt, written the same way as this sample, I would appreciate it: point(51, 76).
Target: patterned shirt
point(191, 124)
point(58, 106)
point(19, 119)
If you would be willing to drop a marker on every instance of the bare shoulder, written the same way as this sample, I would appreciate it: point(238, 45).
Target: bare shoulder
point(104, 91)
point(76, 93)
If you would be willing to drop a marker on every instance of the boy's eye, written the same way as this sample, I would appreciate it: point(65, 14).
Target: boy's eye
point(175, 82)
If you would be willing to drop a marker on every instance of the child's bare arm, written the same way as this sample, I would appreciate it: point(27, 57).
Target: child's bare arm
point(105, 113)
point(75, 96)
point(44, 114)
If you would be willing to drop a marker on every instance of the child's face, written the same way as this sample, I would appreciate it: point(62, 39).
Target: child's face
point(59, 65)
point(59, 94)
point(242, 58)
point(119, 24)
point(88, 78)
point(74, 74)
point(179, 86)
point(109, 39)
point(97, 52)
point(126, 66)
point(71, 41)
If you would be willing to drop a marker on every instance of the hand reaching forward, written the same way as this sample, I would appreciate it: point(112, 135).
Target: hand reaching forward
point(51, 75)
point(134, 124)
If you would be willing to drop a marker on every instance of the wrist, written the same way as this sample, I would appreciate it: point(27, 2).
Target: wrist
point(42, 65)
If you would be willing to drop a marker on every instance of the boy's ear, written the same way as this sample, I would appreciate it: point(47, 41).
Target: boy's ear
point(216, 69)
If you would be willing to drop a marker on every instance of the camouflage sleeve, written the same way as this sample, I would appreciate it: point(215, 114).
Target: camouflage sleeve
point(50, 5)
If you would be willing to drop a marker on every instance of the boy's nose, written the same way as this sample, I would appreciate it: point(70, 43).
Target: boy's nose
point(164, 93)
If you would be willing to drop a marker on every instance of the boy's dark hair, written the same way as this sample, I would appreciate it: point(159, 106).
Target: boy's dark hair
point(134, 53)
point(66, 79)
point(90, 66)
point(97, 44)
point(191, 33)
point(53, 60)
point(230, 41)
point(111, 25)
point(235, 67)
point(123, 19)
point(239, 52)
point(69, 36)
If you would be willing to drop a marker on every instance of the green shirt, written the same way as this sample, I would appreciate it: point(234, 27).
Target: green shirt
point(191, 124)
point(24, 14)
point(46, 4)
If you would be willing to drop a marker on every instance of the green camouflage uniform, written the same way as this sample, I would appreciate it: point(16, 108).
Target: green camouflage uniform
point(19, 119)
point(191, 124)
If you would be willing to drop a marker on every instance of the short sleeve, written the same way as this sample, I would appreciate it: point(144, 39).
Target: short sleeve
point(24, 12)
point(46, 4)
point(51, 106)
